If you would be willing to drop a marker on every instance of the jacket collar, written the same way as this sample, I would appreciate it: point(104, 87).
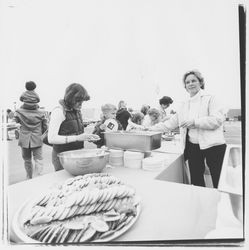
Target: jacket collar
point(65, 107)
point(201, 93)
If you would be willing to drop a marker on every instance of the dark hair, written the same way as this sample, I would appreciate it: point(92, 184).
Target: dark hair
point(137, 117)
point(30, 85)
point(75, 92)
point(197, 74)
point(166, 100)
point(145, 108)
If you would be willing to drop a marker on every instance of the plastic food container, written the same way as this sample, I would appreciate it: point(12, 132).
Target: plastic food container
point(116, 157)
point(133, 159)
point(153, 163)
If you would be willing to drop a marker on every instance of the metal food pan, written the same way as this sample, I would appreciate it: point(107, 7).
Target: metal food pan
point(142, 140)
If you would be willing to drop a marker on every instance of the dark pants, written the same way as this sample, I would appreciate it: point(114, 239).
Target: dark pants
point(196, 160)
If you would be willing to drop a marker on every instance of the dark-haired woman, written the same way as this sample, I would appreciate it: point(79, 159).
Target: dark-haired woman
point(201, 127)
point(66, 129)
point(164, 102)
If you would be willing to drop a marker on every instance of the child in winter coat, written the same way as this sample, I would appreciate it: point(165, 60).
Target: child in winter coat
point(33, 122)
point(108, 112)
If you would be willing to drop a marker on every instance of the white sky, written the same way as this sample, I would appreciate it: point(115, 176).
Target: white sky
point(118, 49)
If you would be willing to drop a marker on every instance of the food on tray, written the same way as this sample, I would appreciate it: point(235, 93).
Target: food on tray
point(84, 208)
point(168, 136)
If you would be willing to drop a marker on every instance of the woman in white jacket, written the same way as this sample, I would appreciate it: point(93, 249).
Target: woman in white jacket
point(200, 119)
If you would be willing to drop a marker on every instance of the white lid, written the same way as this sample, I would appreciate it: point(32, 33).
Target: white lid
point(116, 153)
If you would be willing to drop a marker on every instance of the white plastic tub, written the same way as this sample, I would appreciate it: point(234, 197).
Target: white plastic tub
point(133, 159)
point(116, 157)
point(153, 163)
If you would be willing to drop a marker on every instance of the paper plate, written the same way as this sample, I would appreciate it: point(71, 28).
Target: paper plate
point(111, 125)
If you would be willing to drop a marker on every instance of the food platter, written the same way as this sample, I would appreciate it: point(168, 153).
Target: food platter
point(21, 237)
point(116, 227)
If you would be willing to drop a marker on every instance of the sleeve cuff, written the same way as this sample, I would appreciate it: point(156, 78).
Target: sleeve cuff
point(196, 124)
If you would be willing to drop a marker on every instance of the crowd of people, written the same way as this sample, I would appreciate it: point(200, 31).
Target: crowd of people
point(200, 120)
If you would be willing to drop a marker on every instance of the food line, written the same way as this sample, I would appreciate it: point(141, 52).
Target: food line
point(169, 210)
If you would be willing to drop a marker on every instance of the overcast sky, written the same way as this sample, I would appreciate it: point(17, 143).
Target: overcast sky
point(136, 50)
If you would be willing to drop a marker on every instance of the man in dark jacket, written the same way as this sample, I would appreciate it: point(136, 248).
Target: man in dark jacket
point(122, 114)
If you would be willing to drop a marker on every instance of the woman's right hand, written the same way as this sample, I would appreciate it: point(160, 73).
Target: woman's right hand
point(102, 126)
point(87, 137)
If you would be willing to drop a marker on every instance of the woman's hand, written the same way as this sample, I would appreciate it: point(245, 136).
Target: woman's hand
point(144, 128)
point(88, 137)
point(102, 126)
point(140, 127)
point(137, 127)
point(188, 124)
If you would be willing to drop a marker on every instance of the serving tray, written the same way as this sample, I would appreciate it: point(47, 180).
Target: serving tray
point(21, 237)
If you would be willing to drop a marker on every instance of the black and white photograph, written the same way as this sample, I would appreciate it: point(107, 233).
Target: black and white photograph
point(123, 123)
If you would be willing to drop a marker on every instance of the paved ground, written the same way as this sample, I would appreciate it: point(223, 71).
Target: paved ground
point(15, 168)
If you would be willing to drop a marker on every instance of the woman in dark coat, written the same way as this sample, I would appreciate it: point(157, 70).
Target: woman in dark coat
point(66, 129)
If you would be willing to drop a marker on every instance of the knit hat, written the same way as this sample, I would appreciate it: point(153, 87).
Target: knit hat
point(30, 85)
point(30, 96)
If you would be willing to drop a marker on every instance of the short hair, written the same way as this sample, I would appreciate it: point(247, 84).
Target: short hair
point(30, 85)
point(120, 104)
point(74, 93)
point(197, 74)
point(137, 117)
point(145, 108)
point(154, 112)
point(166, 100)
point(108, 107)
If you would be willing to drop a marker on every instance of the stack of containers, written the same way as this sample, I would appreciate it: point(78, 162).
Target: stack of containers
point(133, 159)
point(116, 157)
point(153, 163)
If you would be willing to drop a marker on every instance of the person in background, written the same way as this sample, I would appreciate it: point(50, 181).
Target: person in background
point(9, 116)
point(33, 122)
point(131, 110)
point(66, 129)
point(144, 109)
point(164, 102)
point(30, 95)
point(123, 114)
point(200, 120)
point(136, 122)
point(9, 119)
point(153, 117)
point(108, 112)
